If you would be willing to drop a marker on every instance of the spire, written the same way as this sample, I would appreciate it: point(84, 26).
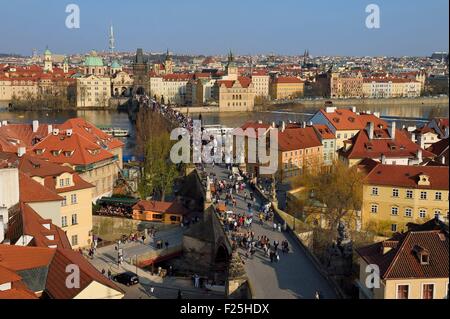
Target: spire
point(112, 40)
point(230, 56)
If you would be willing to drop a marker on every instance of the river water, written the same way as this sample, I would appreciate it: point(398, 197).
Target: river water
point(402, 114)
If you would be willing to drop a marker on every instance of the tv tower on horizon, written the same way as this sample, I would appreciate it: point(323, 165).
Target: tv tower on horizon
point(112, 40)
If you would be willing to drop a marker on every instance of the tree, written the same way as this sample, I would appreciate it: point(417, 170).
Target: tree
point(159, 171)
point(338, 189)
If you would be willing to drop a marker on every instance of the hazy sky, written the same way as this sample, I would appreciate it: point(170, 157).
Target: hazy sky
point(325, 27)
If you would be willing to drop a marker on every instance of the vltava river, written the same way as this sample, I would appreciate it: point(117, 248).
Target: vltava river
point(402, 114)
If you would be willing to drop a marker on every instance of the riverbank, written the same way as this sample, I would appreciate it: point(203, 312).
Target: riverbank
point(420, 101)
point(364, 104)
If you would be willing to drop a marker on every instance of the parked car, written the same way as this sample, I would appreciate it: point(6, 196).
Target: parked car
point(127, 278)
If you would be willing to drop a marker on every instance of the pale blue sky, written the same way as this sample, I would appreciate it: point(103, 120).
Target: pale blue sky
point(325, 27)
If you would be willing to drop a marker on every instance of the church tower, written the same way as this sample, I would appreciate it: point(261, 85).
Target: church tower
point(232, 69)
point(48, 63)
point(168, 63)
point(66, 65)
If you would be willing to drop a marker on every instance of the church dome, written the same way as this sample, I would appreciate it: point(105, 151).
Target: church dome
point(47, 52)
point(115, 65)
point(93, 60)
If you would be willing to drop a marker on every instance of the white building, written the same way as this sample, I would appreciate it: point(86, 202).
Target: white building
point(261, 82)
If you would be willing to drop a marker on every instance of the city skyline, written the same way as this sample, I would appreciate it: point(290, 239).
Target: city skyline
point(249, 28)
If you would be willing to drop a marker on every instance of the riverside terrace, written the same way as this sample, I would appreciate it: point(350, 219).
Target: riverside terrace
point(294, 275)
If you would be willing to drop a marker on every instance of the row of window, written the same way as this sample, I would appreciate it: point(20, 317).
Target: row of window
point(64, 220)
point(409, 194)
point(408, 212)
point(64, 182)
point(345, 135)
point(73, 200)
point(428, 291)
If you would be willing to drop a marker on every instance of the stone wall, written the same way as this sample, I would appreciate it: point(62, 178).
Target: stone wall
point(112, 228)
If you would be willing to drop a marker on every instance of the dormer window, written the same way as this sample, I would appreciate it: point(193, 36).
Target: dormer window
point(68, 153)
point(425, 259)
point(422, 255)
point(56, 152)
point(424, 180)
point(39, 151)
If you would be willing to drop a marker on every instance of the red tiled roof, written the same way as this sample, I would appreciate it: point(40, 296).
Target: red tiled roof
point(91, 132)
point(31, 191)
point(408, 176)
point(33, 225)
point(402, 261)
point(84, 150)
point(324, 131)
point(7, 276)
point(400, 147)
point(297, 138)
point(18, 258)
point(57, 275)
point(161, 207)
point(343, 119)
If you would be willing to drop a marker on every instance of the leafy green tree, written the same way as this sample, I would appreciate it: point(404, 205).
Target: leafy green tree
point(159, 172)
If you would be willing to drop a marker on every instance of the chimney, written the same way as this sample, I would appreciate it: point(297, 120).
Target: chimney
point(377, 114)
point(4, 123)
point(354, 109)
point(413, 137)
point(304, 124)
point(392, 130)
point(419, 156)
point(49, 129)
point(446, 133)
point(422, 142)
point(283, 126)
point(310, 123)
point(35, 126)
point(330, 109)
point(443, 160)
point(383, 159)
point(371, 129)
point(21, 151)
point(274, 125)
point(3, 222)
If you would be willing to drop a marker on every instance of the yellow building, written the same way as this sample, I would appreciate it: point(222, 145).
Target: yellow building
point(299, 149)
point(346, 85)
point(411, 265)
point(394, 195)
point(238, 96)
point(286, 88)
point(74, 211)
point(93, 91)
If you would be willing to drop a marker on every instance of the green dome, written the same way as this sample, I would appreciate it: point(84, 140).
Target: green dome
point(93, 60)
point(47, 52)
point(115, 65)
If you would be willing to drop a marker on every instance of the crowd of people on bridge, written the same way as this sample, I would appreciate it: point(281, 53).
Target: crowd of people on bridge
point(238, 222)
point(167, 111)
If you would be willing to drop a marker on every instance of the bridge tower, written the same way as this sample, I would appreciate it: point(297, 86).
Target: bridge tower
point(140, 72)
